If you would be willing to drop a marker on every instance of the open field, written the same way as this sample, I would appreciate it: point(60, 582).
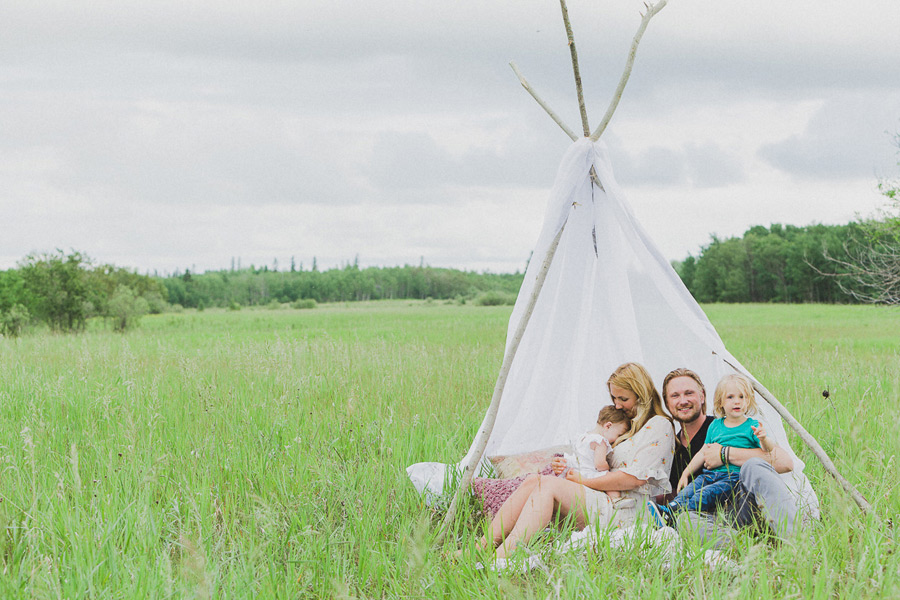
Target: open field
point(262, 453)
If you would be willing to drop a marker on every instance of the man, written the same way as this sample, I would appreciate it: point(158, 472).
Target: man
point(761, 492)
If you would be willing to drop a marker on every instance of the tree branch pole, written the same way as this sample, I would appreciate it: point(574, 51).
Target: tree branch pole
point(556, 118)
point(652, 9)
point(485, 432)
point(578, 88)
point(808, 439)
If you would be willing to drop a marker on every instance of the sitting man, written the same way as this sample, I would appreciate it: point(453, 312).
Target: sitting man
point(761, 493)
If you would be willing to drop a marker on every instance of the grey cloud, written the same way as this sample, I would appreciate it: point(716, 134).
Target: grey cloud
point(847, 138)
point(699, 165)
point(414, 161)
point(654, 166)
point(710, 166)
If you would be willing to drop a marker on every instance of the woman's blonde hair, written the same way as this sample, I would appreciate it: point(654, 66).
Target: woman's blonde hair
point(744, 386)
point(635, 378)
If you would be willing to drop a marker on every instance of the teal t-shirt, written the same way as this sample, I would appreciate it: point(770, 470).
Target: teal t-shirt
point(735, 437)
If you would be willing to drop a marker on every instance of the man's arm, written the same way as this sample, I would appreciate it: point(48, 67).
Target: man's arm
point(778, 458)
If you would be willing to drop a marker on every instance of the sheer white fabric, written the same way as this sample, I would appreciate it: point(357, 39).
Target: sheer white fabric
point(610, 297)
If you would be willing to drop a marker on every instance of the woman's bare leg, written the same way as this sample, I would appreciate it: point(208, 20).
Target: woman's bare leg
point(549, 495)
point(506, 517)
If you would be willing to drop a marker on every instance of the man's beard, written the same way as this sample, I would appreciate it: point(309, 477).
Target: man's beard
point(691, 417)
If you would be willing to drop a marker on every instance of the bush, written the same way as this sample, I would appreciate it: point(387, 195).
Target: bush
point(126, 309)
point(495, 298)
point(156, 302)
point(176, 308)
point(13, 321)
point(234, 306)
point(274, 305)
point(304, 303)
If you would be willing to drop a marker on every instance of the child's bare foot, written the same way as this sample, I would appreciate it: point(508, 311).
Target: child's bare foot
point(613, 494)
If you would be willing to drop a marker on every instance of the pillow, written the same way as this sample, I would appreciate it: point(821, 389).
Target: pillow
point(515, 465)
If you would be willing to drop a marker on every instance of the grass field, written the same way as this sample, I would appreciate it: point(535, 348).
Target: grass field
point(262, 454)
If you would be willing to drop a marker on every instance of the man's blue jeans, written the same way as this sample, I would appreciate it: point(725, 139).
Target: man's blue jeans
point(761, 497)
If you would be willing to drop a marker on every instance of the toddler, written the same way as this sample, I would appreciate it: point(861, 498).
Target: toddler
point(733, 401)
point(589, 459)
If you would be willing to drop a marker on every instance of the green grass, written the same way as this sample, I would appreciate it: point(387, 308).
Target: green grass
point(262, 453)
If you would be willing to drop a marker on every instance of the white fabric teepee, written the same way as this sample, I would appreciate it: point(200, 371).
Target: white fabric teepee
point(609, 297)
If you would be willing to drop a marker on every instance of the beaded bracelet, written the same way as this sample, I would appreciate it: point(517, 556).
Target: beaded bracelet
point(722, 455)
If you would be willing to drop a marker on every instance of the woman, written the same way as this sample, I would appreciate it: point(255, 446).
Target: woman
point(640, 464)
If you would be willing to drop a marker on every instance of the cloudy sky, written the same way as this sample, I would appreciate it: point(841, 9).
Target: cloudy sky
point(174, 134)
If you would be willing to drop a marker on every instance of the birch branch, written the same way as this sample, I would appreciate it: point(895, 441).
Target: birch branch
point(652, 9)
point(485, 432)
point(578, 88)
point(809, 440)
point(553, 116)
point(543, 104)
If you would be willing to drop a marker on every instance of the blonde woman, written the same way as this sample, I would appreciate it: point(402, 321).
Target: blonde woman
point(639, 468)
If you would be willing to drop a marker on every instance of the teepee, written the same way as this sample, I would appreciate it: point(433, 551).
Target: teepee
point(600, 294)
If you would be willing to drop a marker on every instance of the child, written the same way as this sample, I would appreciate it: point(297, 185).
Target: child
point(590, 452)
point(733, 401)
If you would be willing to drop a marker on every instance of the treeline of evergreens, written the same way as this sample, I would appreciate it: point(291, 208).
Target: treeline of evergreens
point(781, 263)
point(253, 287)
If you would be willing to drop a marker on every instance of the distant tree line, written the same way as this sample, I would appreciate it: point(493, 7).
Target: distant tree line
point(263, 286)
point(63, 291)
point(781, 263)
point(857, 262)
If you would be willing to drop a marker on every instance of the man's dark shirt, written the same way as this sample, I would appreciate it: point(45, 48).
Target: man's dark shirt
point(684, 455)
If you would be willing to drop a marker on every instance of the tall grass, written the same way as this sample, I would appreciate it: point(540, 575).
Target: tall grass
point(262, 453)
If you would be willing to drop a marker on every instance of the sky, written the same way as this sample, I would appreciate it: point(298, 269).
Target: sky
point(162, 135)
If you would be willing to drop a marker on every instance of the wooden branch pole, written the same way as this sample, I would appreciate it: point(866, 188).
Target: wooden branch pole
point(578, 88)
point(485, 432)
point(808, 439)
point(652, 9)
point(556, 118)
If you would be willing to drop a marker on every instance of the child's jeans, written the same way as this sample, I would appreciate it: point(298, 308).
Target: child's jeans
point(707, 490)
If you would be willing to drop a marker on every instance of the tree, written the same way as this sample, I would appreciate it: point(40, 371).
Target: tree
point(126, 309)
point(14, 320)
point(871, 270)
point(57, 286)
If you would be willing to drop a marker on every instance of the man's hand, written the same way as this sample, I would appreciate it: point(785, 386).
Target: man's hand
point(712, 456)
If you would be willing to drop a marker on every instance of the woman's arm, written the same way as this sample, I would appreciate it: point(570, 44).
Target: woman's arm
point(614, 481)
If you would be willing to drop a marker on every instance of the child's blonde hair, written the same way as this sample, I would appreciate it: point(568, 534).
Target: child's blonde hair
point(744, 385)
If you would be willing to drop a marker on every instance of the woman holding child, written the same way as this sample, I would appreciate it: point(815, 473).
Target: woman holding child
point(639, 463)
